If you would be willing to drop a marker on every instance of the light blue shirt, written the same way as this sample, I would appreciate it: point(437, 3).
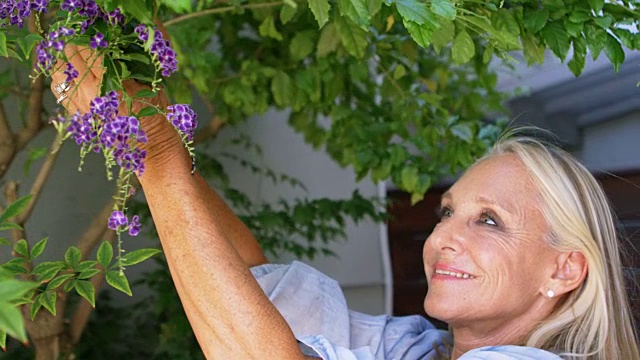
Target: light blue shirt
point(315, 308)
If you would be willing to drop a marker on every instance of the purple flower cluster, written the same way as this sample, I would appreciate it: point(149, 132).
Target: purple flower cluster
point(102, 127)
point(119, 219)
point(18, 10)
point(160, 48)
point(47, 49)
point(183, 118)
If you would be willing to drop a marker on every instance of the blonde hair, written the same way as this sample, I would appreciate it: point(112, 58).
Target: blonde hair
point(594, 321)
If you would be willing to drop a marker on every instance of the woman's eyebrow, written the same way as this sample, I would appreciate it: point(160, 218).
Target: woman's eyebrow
point(504, 207)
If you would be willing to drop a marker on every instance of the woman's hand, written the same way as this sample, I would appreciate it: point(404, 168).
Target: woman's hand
point(164, 143)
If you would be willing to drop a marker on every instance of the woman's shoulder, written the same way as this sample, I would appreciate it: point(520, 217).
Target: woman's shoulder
point(509, 352)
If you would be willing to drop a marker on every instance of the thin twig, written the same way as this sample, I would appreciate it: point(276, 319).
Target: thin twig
point(220, 10)
point(41, 178)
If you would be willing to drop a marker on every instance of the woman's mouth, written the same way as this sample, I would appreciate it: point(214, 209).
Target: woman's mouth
point(454, 274)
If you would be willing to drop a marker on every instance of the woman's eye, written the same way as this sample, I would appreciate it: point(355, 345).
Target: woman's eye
point(444, 212)
point(487, 219)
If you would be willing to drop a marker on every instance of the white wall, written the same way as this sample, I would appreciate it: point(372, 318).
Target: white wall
point(358, 266)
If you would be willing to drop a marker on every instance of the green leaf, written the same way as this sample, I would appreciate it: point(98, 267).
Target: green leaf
point(353, 38)
point(4, 241)
point(302, 44)
point(15, 266)
point(118, 281)
point(144, 93)
point(356, 10)
point(328, 42)
point(3, 340)
point(444, 35)
point(59, 280)
point(139, 10)
point(409, 178)
point(105, 254)
point(421, 34)
point(444, 8)
point(535, 20)
point(86, 274)
point(11, 289)
point(596, 40)
point(22, 248)
point(399, 72)
point(38, 248)
point(502, 20)
point(47, 270)
point(11, 321)
point(533, 52)
point(87, 291)
point(9, 226)
point(148, 111)
point(282, 89)
point(70, 285)
point(463, 132)
point(415, 11)
point(463, 48)
point(605, 21)
point(557, 39)
point(320, 10)
point(137, 256)
point(34, 155)
point(27, 43)
point(73, 256)
point(85, 265)
point(576, 65)
point(3, 45)
point(35, 306)
point(15, 208)
point(179, 6)
point(287, 12)
point(374, 6)
point(49, 301)
point(579, 16)
point(596, 5)
point(268, 29)
point(487, 54)
point(614, 52)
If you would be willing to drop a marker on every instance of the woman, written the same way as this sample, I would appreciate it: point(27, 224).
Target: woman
point(523, 265)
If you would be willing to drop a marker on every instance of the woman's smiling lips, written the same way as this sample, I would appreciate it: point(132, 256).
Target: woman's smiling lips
point(444, 272)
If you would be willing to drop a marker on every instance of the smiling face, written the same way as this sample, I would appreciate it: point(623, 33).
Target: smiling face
point(487, 262)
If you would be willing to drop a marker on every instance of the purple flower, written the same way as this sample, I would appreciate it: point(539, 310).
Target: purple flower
point(98, 41)
point(15, 11)
point(117, 219)
point(143, 32)
point(71, 73)
point(183, 118)
point(71, 5)
point(114, 17)
point(134, 227)
point(39, 5)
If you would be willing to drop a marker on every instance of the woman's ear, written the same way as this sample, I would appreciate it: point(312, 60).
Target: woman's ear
point(571, 270)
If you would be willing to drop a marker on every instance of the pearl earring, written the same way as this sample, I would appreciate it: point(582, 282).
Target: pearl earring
point(550, 294)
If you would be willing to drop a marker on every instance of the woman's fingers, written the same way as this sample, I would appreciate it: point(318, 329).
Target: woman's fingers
point(92, 60)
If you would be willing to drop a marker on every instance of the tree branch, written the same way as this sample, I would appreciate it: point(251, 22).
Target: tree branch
point(210, 131)
point(41, 178)
point(81, 315)
point(220, 10)
point(7, 143)
point(11, 194)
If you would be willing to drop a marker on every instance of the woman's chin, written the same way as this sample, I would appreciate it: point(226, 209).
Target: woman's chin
point(441, 310)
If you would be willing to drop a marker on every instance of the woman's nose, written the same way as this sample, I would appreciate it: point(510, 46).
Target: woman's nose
point(447, 237)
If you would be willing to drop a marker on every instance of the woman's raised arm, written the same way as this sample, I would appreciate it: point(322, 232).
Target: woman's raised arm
point(208, 249)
